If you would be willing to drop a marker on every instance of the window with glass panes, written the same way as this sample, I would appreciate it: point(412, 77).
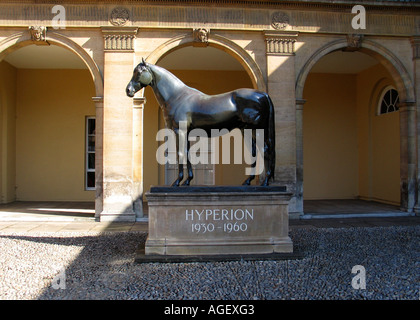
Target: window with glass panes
point(90, 154)
point(389, 101)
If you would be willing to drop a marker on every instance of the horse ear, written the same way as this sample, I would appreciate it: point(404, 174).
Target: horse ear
point(144, 62)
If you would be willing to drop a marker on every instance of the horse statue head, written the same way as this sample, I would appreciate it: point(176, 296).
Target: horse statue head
point(142, 77)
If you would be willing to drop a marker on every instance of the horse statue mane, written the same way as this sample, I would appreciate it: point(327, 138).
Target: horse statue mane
point(242, 108)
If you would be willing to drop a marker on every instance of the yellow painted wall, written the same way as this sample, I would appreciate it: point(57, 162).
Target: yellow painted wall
point(379, 140)
point(8, 75)
point(349, 151)
point(210, 82)
point(330, 155)
point(50, 140)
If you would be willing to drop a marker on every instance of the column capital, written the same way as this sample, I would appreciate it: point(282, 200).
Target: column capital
point(405, 106)
point(138, 102)
point(415, 43)
point(280, 42)
point(300, 103)
point(98, 99)
point(119, 38)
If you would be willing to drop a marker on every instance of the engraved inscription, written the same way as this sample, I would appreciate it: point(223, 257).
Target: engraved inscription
point(219, 220)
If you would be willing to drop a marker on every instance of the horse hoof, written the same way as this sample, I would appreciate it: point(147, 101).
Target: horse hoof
point(265, 183)
point(186, 183)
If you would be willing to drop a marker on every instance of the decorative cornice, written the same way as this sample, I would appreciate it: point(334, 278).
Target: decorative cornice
point(369, 4)
point(119, 39)
point(155, 14)
point(280, 43)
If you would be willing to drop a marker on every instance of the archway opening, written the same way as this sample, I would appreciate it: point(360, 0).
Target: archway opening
point(48, 121)
point(351, 148)
point(211, 71)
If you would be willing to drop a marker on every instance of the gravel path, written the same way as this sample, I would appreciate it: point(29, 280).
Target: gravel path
point(91, 265)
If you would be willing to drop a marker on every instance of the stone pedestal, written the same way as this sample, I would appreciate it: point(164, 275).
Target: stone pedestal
point(218, 220)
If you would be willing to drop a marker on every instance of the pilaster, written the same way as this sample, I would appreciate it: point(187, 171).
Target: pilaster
point(415, 43)
point(299, 155)
point(280, 54)
point(138, 106)
point(408, 124)
point(99, 150)
point(119, 187)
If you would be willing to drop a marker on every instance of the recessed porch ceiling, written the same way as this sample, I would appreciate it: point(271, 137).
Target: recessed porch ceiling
point(186, 58)
point(44, 57)
point(344, 62)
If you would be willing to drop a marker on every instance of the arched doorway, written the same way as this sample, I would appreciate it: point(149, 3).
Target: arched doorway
point(351, 149)
point(49, 141)
point(211, 71)
point(366, 146)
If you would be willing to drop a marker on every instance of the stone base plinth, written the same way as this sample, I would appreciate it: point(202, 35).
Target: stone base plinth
point(218, 220)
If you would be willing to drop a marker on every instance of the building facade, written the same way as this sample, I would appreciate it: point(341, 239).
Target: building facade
point(344, 81)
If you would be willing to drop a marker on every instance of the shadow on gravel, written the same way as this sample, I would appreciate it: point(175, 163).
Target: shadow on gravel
point(103, 267)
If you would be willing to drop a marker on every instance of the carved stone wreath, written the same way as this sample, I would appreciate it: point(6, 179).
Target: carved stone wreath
point(279, 20)
point(119, 16)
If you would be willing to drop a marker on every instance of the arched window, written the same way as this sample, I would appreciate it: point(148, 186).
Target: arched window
point(388, 101)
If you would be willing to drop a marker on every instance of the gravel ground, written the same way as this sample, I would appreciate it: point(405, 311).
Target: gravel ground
point(91, 265)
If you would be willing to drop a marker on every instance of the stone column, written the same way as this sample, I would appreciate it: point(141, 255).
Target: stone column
point(138, 104)
point(408, 147)
point(99, 147)
point(118, 154)
point(281, 88)
point(299, 155)
point(415, 42)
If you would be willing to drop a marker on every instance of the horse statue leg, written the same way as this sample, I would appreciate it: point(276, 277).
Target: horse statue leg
point(180, 158)
point(269, 145)
point(247, 182)
point(189, 167)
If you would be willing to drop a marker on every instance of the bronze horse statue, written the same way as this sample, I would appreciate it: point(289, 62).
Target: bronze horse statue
point(242, 108)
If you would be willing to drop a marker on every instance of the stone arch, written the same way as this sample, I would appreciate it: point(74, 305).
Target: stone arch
point(405, 88)
point(383, 55)
point(217, 41)
point(22, 39)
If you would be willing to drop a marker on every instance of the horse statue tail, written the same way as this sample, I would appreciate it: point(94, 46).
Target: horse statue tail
point(271, 141)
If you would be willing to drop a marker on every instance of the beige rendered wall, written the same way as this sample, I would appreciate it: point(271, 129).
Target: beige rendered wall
point(379, 139)
point(8, 76)
point(330, 156)
point(209, 82)
point(52, 106)
point(349, 151)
